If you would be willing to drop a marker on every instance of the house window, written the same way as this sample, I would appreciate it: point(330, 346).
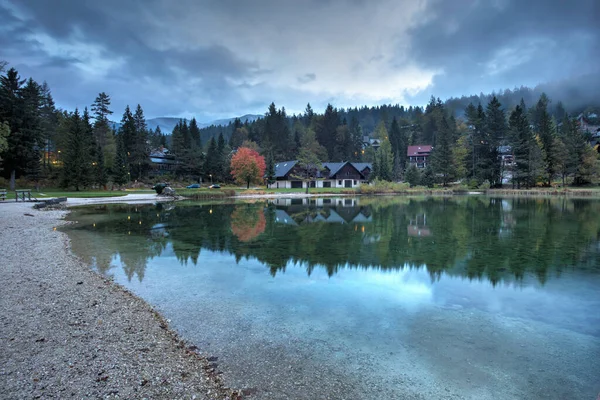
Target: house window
point(354, 183)
point(277, 185)
point(326, 184)
point(340, 182)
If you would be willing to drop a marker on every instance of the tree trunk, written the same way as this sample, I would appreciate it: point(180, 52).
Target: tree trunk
point(12, 179)
point(248, 185)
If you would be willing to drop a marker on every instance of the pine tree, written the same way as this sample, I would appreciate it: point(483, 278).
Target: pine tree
point(546, 133)
point(270, 172)
point(103, 133)
point(326, 130)
point(442, 161)
point(385, 161)
point(128, 134)
point(17, 154)
point(428, 177)
point(100, 177)
point(356, 135)
point(76, 156)
point(413, 175)
point(495, 125)
point(211, 162)
point(195, 133)
point(580, 159)
point(121, 167)
point(139, 157)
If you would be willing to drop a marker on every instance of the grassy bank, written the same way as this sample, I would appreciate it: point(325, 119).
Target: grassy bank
point(82, 194)
point(570, 192)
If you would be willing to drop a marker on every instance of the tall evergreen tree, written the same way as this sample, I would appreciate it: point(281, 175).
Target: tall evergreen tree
point(442, 161)
point(385, 161)
point(195, 133)
point(120, 172)
point(211, 163)
point(103, 132)
point(495, 125)
point(326, 130)
point(270, 170)
point(140, 154)
point(546, 132)
point(15, 155)
point(128, 133)
point(77, 171)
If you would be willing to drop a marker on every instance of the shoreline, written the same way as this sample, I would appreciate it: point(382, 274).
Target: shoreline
point(67, 331)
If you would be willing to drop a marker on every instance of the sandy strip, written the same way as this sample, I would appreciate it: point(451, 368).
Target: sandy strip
point(67, 332)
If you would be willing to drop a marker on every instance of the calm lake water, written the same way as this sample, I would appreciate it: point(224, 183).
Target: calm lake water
point(370, 298)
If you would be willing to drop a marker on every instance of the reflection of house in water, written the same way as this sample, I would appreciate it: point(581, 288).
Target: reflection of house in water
point(330, 210)
point(283, 217)
point(324, 202)
point(418, 226)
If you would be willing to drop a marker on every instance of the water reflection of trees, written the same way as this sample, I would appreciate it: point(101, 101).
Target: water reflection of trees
point(474, 237)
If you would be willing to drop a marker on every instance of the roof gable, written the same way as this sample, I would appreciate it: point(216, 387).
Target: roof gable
point(419, 150)
point(283, 168)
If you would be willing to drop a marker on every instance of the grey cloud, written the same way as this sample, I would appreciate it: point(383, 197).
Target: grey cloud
point(150, 59)
point(306, 78)
point(546, 40)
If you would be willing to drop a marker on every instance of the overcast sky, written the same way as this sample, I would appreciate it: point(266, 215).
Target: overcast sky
point(223, 58)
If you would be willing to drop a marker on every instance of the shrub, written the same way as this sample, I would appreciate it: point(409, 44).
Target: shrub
point(379, 186)
point(485, 185)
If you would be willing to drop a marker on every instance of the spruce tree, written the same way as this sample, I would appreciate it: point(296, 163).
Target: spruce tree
point(385, 161)
point(139, 157)
point(270, 172)
point(495, 125)
point(100, 176)
point(442, 161)
point(211, 162)
point(195, 139)
point(545, 130)
point(103, 132)
point(413, 175)
point(121, 168)
point(77, 165)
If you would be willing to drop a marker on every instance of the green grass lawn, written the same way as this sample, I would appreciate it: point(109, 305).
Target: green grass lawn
point(53, 192)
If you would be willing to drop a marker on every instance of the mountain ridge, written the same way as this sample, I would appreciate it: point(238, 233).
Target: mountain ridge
point(167, 124)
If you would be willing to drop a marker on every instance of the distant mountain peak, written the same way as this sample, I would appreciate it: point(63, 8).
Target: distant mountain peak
point(167, 124)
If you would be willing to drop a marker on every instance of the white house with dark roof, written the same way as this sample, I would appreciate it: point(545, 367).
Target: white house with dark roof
point(333, 175)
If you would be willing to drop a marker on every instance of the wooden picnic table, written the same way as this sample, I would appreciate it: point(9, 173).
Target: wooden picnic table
point(23, 194)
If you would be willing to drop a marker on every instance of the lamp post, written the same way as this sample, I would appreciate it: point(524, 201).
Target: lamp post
point(210, 178)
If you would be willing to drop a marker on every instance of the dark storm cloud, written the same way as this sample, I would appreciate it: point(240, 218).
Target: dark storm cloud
point(486, 45)
point(218, 58)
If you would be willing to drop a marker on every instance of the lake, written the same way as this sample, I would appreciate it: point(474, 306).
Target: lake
point(369, 298)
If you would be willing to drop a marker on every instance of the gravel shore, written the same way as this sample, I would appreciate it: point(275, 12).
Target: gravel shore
point(66, 332)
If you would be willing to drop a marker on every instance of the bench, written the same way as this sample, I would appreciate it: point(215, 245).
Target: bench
point(23, 195)
point(2, 194)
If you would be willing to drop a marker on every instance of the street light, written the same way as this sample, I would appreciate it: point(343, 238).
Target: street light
point(210, 178)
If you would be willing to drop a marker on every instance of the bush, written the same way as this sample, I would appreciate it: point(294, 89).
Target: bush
point(473, 184)
point(485, 185)
point(379, 186)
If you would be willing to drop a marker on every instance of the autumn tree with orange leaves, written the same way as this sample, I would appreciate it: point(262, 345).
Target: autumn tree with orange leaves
point(247, 166)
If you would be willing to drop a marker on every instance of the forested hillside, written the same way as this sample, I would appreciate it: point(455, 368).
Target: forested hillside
point(470, 137)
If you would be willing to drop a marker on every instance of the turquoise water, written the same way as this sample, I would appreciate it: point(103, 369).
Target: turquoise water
point(468, 297)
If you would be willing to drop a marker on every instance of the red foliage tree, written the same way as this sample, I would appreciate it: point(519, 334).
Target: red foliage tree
point(247, 222)
point(247, 166)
